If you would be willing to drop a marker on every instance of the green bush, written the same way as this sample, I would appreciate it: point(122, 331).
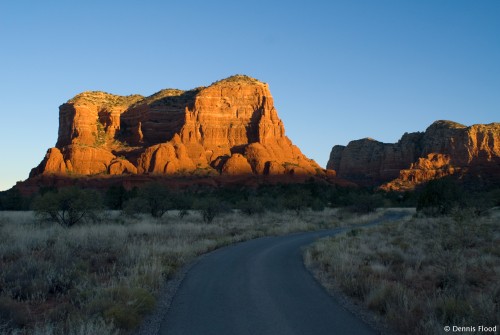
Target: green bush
point(135, 206)
point(183, 203)
point(68, 206)
point(272, 204)
point(317, 205)
point(251, 206)
point(364, 203)
point(157, 197)
point(152, 198)
point(297, 201)
point(13, 200)
point(440, 197)
point(116, 196)
point(210, 208)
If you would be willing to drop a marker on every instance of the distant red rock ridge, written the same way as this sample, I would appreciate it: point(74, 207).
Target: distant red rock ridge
point(446, 148)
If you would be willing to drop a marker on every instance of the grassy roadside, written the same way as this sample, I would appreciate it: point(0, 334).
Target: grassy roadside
point(419, 275)
point(104, 278)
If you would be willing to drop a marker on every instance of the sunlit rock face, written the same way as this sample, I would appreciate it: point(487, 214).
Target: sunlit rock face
point(445, 148)
point(230, 127)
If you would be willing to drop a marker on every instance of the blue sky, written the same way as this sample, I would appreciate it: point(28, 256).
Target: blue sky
point(338, 70)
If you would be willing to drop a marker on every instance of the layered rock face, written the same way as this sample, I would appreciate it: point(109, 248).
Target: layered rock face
point(445, 148)
point(230, 127)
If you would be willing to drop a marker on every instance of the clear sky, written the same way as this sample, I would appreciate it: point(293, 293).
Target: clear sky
point(338, 70)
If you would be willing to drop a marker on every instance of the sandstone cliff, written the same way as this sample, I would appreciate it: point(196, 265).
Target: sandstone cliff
point(228, 128)
point(445, 148)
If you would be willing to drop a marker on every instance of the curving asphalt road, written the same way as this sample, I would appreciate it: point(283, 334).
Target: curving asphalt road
point(258, 287)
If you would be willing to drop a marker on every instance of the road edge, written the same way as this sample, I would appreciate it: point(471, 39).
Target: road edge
point(349, 304)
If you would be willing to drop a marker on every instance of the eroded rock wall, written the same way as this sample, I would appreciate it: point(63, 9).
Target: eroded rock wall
point(230, 127)
point(445, 148)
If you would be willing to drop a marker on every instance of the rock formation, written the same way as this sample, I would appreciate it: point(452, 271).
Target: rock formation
point(228, 128)
point(445, 148)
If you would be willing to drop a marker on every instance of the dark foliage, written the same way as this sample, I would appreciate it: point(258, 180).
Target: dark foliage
point(182, 202)
point(210, 207)
point(253, 205)
point(364, 203)
point(116, 196)
point(157, 198)
point(13, 200)
point(440, 197)
point(68, 206)
point(135, 206)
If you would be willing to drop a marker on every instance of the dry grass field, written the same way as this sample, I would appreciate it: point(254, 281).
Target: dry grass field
point(103, 278)
point(418, 275)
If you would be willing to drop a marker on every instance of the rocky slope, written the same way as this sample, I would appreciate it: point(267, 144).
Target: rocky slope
point(228, 128)
point(445, 148)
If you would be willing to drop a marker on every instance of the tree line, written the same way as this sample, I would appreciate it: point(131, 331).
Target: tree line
point(72, 205)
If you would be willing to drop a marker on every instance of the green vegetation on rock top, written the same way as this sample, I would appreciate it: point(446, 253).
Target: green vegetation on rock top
point(238, 78)
point(105, 99)
point(447, 124)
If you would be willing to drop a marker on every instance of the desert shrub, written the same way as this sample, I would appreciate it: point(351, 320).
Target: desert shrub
point(68, 206)
point(23, 279)
point(439, 197)
point(481, 201)
point(157, 197)
point(297, 201)
point(272, 204)
point(317, 205)
point(452, 310)
point(122, 316)
point(116, 196)
point(210, 208)
point(13, 200)
point(232, 195)
point(364, 203)
point(183, 203)
point(26, 279)
point(399, 199)
point(251, 206)
point(130, 304)
point(135, 206)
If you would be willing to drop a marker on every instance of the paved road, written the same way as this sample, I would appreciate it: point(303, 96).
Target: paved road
point(258, 287)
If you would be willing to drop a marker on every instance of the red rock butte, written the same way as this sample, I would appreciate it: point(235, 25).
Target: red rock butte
point(229, 128)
